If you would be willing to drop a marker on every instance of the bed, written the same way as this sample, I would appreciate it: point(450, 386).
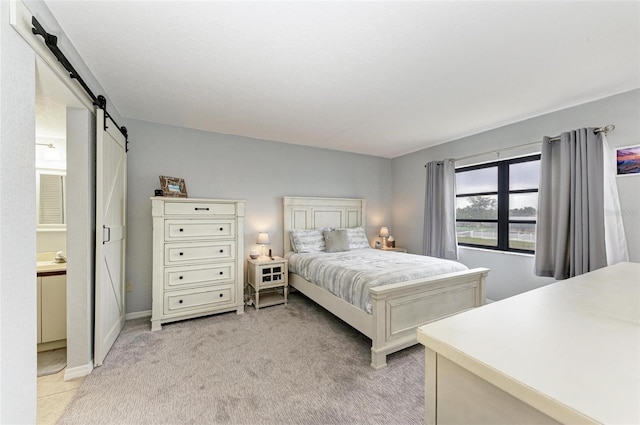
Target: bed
point(396, 309)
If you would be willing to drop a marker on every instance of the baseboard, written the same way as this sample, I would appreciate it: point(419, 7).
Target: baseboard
point(137, 315)
point(78, 372)
point(53, 345)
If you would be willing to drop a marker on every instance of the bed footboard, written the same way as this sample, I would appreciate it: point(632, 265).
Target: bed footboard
point(400, 308)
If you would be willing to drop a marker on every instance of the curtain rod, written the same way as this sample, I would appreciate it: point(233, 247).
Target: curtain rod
point(604, 129)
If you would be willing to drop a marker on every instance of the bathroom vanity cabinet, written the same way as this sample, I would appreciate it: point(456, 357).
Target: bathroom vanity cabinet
point(52, 311)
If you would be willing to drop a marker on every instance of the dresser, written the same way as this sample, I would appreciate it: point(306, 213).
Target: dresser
point(198, 266)
point(564, 353)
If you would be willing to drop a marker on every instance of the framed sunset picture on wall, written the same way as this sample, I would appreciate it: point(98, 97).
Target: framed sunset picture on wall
point(628, 161)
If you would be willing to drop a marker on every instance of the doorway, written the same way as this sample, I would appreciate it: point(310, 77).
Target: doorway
point(63, 121)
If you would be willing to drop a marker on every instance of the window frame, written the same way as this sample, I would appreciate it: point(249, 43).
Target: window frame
point(503, 191)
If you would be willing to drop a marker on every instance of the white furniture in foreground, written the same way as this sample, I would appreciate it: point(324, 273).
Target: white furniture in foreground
point(565, 353)
point(198, 264)
point(397, 309)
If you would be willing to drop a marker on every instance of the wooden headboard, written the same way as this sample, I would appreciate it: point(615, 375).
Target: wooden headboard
point(316, 213)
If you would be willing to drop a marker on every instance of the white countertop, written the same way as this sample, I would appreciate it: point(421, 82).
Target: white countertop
point(50, 266)
point(570, 349)
point(45, 263)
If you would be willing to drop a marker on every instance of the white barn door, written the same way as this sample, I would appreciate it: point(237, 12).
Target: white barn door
point(111, 213)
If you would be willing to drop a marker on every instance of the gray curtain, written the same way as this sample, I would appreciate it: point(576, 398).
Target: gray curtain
point(440, 210)
point(570, 236)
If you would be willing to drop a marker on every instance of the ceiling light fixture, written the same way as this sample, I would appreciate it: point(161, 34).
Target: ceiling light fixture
point(51, 154)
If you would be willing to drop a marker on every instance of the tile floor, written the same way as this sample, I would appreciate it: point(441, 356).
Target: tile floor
point(54, 394)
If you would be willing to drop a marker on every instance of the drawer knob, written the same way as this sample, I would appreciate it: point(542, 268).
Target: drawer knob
point(221, 295)
point(180, 302)
point(222, 250)
point(182, 253)
point(221, 229)
point(180, 277)
point(181, 229)
point(202, 209)
point(221, 273)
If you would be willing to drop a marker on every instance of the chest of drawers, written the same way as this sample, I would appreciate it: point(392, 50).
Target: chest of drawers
point(197, 258)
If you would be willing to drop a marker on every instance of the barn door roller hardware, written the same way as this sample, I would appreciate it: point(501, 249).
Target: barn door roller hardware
point(51, 42)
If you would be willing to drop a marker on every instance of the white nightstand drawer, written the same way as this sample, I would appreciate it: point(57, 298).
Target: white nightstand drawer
point(200, 209)
point(206, 274)
point(199, 229)
point(199, 252)
point(197, 299)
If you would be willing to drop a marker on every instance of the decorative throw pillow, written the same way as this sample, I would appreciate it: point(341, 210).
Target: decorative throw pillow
point(336, 240)
point(308, 240)
point(357, 238)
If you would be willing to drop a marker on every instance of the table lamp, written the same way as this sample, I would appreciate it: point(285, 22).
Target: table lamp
point(384, 234)
point(263, 239)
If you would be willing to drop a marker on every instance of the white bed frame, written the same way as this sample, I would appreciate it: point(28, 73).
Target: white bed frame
point(397, 309)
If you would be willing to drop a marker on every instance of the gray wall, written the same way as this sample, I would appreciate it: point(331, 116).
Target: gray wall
point(232, 167)
point(513, 273)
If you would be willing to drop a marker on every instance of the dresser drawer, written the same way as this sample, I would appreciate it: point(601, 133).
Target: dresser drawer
point(198, 208)
point(198, 299)
point(198, 252)
point(175, 230)
point(206, 274)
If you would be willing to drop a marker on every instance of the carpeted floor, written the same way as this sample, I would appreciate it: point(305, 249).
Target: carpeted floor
point(53, 361)
point(294, 364)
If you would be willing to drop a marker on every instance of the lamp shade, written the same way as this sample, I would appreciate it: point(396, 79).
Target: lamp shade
point(263, 239)
point(51, 153)
point(384, 232)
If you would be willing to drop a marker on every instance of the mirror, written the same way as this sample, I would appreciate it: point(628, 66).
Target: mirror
point(50, 199)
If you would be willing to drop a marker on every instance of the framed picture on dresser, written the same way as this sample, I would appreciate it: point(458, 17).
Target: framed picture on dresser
point(173, 187)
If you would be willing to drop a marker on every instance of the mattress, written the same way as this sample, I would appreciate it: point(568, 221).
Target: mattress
point(350, 274)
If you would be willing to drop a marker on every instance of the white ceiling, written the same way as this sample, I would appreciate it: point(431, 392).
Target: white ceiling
point(379, 78)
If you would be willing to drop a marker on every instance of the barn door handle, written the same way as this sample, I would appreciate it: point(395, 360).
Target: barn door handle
point(108, 230)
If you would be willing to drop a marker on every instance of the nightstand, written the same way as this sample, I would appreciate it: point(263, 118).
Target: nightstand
point(268, 281)
point(395, 249)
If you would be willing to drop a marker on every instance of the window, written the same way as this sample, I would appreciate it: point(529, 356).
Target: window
point(50, 199)
point(497, 203)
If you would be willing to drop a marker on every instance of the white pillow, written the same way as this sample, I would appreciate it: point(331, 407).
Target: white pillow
point(357, 238)
point(307, 240)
